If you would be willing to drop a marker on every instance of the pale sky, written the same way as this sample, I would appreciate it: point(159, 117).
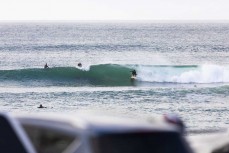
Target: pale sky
point(114, 10)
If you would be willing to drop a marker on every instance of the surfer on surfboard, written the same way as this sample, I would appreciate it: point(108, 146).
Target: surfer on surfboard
point(134, 73)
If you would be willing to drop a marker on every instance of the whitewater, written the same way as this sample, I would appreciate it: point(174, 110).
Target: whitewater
point(182, 68)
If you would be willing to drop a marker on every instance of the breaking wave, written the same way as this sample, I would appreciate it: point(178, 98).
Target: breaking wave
point(119, 75)
point(185, 74)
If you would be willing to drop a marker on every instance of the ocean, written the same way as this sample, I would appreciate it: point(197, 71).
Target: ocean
point(182, 68)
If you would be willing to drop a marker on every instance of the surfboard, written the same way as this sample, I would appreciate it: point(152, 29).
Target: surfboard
point(133, 77)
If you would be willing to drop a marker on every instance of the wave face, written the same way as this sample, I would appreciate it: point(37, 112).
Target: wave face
point(104, 75)
point(119, 75)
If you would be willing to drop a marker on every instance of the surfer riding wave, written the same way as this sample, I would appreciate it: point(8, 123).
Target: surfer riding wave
point(134, 73)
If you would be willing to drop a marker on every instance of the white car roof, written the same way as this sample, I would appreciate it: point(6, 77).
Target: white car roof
point(93, 123)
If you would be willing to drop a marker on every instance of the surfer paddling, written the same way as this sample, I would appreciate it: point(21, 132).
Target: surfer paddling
point(79, 64)
point(41, 106)
point(46, 66)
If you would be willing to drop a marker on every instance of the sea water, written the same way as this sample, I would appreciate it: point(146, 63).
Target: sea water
point(182, 68)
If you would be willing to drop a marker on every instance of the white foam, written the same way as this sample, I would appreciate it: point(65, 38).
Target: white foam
point(206, 73)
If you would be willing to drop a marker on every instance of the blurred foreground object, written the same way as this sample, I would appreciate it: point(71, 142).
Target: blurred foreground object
point(79, 133)
point(174, 119)
point(210, 143)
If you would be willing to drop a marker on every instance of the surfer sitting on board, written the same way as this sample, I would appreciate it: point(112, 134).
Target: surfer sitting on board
point(134, 73)
point(46, 66)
